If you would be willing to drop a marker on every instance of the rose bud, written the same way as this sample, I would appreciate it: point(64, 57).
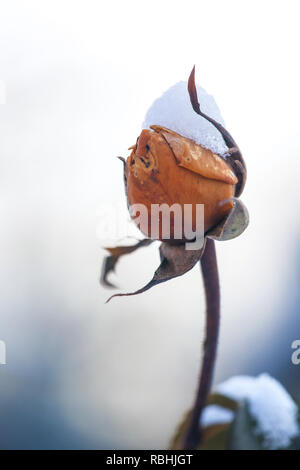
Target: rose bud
point(167, 168)
point(182, 160)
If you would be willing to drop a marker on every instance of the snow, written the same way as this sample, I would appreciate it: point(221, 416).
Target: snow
point(273, 409)
point(174, 110)
point(215, 414)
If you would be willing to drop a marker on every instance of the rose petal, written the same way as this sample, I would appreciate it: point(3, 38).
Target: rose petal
point(195, 158)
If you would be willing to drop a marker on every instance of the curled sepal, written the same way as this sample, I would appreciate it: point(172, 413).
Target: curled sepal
point(234, 156)
point(110, 261)
point(175, 261)
point(233, 224)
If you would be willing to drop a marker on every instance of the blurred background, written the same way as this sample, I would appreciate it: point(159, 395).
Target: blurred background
point(79, 77)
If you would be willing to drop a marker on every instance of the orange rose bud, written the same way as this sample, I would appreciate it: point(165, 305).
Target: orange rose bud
point(166, 168)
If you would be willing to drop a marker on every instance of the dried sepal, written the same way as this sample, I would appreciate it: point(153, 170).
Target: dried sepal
point(176, 260)
point(234, 155)
point(110, 261)
point(232, 225)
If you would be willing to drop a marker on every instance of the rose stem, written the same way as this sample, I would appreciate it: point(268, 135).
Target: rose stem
point(212, 294)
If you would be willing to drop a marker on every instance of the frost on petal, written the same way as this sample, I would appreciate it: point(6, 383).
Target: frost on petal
point(173, 110)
